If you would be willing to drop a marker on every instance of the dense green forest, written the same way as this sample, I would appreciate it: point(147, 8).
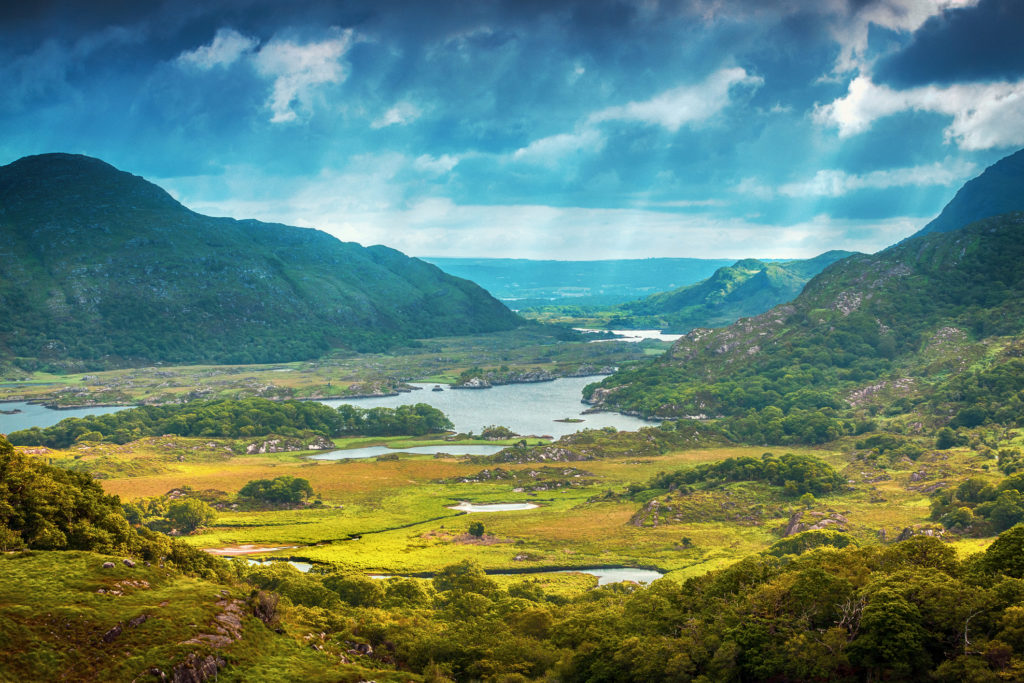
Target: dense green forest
point(103, 267)
point(238, 418)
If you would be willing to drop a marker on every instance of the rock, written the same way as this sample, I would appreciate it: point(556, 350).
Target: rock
point(112, 633)
point(139, 620)
point(109, 565)
point(196, 669)
point(128, 563)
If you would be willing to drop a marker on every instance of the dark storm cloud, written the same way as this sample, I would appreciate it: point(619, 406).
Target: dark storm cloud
point(968, 44)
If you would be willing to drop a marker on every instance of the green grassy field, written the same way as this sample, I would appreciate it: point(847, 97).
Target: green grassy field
point(393, 516)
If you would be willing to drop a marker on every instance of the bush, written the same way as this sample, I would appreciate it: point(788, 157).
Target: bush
point(280, 490)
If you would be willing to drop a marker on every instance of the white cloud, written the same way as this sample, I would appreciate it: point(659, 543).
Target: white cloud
point(985, 115)
point(400, 114)
point(227, 47)
point(297, 69)
point(683, 105)
point(436, 165)
point(433, 225)
point(835, 183)
point(549, 150)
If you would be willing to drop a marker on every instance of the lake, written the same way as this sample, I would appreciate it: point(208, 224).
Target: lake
point(632, 335)
point(35, 415)
point(524, 408)
point(373, 451)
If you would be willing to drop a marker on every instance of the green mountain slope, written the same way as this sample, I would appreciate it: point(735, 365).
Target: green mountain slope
point(100, 265)
point(745, 288)
point(921, 314)
point(999, 189)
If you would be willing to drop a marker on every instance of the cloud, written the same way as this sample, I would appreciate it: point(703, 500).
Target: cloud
point(968, 44)
point(985, 115)
point(851, 29)
point(297, 70)
point(683, 105)
point(434, 225)
point(227, 47)
point(436, 165)
point(400, 114)
point(550, 150)
point(835, 183)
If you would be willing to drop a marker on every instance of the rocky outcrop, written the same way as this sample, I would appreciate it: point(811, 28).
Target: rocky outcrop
point(804, 520)
point(281, 444)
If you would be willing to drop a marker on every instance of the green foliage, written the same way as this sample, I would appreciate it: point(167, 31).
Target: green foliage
point(808, 540)
point(188, 514)
point(476, 529)
point(976, 503)
point(796, 474)
point(286, 490)
point(48, 508)
point(239, 418)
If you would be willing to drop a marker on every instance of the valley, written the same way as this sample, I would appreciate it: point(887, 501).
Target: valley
point(384, 511)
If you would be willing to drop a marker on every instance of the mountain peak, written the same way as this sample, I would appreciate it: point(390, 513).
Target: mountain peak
point(61, 183)
point(999, 189)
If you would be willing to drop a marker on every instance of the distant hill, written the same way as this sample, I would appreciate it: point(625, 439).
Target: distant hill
point(909, 320)
point(999, 189)
point(745, 288)
point(524, 283)
point(100, 265)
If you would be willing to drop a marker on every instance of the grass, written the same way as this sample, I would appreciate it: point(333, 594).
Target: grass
point(392, 516)
point(49, 597)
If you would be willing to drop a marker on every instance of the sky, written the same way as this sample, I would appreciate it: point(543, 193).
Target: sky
point(551, 129)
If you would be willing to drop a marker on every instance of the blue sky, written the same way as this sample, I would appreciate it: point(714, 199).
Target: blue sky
point(569, 130)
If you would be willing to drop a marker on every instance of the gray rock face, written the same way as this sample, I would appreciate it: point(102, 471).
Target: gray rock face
point(196, 669)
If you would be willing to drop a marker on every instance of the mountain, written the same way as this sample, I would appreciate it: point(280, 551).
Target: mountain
point(999, 189)
point(525, 283)
point(100, 265)
point(906, 326)
point(743, 289)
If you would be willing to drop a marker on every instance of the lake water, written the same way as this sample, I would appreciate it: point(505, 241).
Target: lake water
point(632, 335)
point(466, 506)
point(34, 415)
point(523, 408)
point(617, 574)
point(373, 451)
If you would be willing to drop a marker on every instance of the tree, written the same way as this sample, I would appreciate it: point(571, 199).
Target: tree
point(188, 514)
point(281, 490)
point(476, 529)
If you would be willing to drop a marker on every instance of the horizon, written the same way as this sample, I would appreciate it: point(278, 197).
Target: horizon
point(573, 131)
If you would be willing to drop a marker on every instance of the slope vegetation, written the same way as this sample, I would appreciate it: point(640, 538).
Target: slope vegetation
point(745, 288)
point(103, 266)
point(920, 314)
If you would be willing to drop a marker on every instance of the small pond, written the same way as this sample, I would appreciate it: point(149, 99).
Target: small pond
point(373, 451)
point(301, 566)
point(466, 506)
